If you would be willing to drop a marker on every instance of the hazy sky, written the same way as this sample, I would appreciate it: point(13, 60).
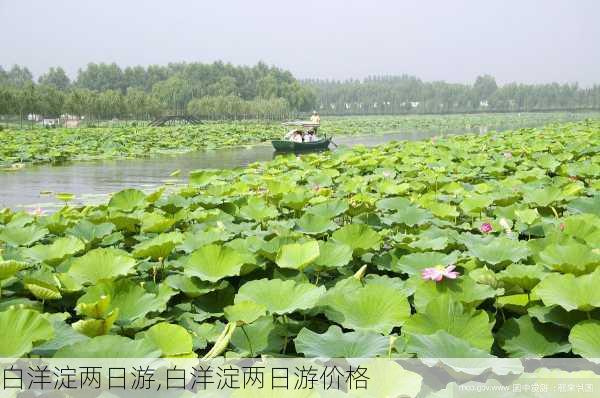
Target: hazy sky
point(453, 40)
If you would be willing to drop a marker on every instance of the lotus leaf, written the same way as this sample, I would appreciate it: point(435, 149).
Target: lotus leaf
point(498, 250)
point(22, 235)
point(100, 264)
point(336, 344)
point(158, 247)
point(378, 306)
point(313, 224)
point(20, 330)
point(585, 339)
point(298, 255)
point(244, 312)
point(128, 200)
point(441, 344)
point(333, 255)
point(110, 346)
point(569, 291)
point(280, 297)
point(525, 337)
point(172, 340)
point(443, 313)
point(213, 262)
point(359, 237)
point(57, 251)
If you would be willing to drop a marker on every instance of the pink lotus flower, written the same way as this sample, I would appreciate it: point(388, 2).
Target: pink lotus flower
point(37, 212)
point(439, 272)
point(486, 228)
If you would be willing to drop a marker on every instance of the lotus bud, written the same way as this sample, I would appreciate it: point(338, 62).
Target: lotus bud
point(505, 224)
point(361, 272)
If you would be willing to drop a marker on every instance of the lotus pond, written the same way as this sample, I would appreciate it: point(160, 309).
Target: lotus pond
point(465, 246)
point(39, 145)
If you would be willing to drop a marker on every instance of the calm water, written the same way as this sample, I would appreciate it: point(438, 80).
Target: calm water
point(91, 181)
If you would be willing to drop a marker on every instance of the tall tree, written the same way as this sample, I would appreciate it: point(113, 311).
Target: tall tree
point(55, 77)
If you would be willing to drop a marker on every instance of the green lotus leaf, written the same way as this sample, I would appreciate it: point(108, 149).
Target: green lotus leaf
point(158, 247)
point(65, 196)
point(378, 306)
point(110, 346)
point(336, 344)
point(542, 197)
point(96, 327)
point(172, 340)
point(569, 257)
point(498, 250)
point(397, 203)
point(203, 177)
point(193, 287)
point(100, 264)
point(20, 330)
point(64, 335)
point(329, 209)
point(443, 313)
point(569, 291)
point(313, 224)
point(585, 339)
point(333, 255)
point(213, 262)
point(441, 210)
point(42, 290)
point(523, 276)
point(89, 232)
point(413, 264)
point(525, 338)
point(261, 336)
point(389, 379)
point(259, 210)
point(556, 315)
point(359, 237)
point(154, 222)
point(132, 300)
point(527, 216)
point(463, 289)
point(244, 312)
point(441, 344)
point(280, 297)
point(56, 252)
point(433, 239)
point(128, 200)
point(409, 215)
point(9, 268)
point(475, 203)
point(298, 255)
point(584, 227)
point(22, 235)
point(585, 205)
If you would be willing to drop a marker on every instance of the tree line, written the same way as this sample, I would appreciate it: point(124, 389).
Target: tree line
point(224, 91)
point(105, 91)
point(408, 94)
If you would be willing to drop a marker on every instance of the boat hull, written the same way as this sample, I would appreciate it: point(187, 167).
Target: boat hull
point(290, 146)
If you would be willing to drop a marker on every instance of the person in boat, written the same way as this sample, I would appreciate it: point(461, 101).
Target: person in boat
point(310, 136)
point(315, 118)
point(291, 135)
point(297, 136)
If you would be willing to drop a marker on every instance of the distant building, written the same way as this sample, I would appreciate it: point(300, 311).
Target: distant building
point(70, 121)
point(414, 104)
point(50, 122)
point(483, 104)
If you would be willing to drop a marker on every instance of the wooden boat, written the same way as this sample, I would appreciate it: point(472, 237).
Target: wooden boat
point(293, 146)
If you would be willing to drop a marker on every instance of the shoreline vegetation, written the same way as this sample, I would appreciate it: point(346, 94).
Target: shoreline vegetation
point(470, 245)
point(57, 145)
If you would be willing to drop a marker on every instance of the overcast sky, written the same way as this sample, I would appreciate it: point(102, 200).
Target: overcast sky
point(453, 40)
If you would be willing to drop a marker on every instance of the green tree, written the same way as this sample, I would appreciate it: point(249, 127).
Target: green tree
point(55, 77)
